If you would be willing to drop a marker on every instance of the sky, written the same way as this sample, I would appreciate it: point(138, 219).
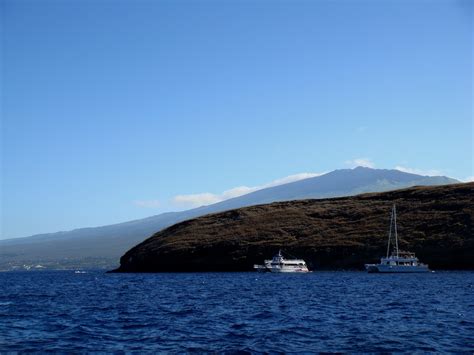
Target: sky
point(118, 110)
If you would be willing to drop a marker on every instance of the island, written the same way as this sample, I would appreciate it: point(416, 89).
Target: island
point(330, 234)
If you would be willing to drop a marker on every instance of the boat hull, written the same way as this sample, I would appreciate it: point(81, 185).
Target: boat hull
point(279, 270)
point(402, 269)
point(263, 268)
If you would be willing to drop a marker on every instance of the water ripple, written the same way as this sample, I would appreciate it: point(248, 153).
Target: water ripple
point(236, 312)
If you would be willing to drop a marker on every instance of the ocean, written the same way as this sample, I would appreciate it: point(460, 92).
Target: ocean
point(64, 311)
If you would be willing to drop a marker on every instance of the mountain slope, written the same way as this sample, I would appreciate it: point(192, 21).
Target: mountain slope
point(345, 182)
point(435, 222)
point(102, 246)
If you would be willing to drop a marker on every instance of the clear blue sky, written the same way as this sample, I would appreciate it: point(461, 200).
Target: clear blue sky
point(110, 109)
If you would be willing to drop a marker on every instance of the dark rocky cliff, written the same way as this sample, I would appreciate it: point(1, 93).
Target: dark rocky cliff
point(340, 233)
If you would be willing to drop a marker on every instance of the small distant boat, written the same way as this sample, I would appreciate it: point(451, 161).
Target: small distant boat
point(280, 264)
point(399, 261)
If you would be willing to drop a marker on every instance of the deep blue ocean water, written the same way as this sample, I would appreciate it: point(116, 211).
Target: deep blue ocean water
point(321, 311)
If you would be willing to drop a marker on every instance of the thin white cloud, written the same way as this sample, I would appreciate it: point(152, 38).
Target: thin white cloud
point(430, 172)
point(468, 179)
point(207, 198)
point(196, 200)
point(238, 191)
point(366, 162)
point(147, 203)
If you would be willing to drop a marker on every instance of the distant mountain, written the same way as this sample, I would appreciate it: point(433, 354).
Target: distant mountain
point(345, 182)
point(102, 246)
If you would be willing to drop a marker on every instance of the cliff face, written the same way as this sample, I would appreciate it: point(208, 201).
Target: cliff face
point(434, 222)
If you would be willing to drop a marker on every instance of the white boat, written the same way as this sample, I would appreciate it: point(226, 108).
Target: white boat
point(399, 261)
point(280, 264)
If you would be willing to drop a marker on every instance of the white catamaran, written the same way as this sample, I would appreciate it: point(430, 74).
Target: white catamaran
point(399, 261)
point(280, 264)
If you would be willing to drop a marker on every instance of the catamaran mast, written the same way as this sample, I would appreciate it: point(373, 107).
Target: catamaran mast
point(390, 233)
point(395, 222)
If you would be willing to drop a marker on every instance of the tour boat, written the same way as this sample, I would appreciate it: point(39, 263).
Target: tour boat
point(280, 264)
point(399, 261)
